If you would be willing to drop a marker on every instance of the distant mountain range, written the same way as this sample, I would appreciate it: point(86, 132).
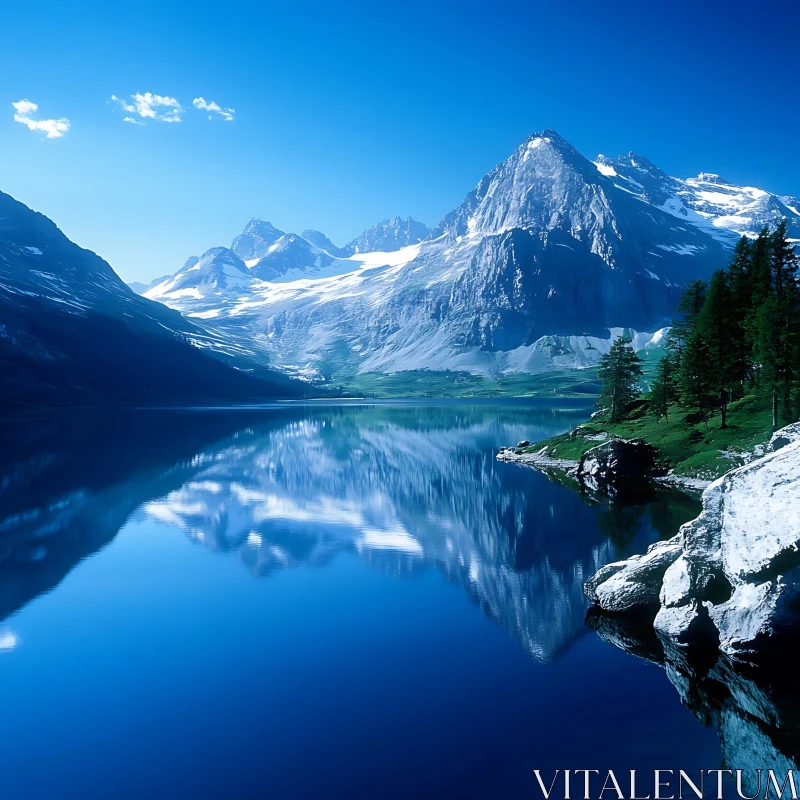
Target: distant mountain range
point(546, 259)
point(72, 333)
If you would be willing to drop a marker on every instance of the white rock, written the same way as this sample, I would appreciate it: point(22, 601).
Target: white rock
point(787, 435)
point(677, 583)
point(676, 623)
point(744, 546)
point(761, 513)
point(638, 582)
point(755, 613)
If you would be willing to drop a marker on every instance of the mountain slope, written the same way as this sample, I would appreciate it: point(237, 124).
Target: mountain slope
point(72, 332)
point(540, 263)
point(140, 288)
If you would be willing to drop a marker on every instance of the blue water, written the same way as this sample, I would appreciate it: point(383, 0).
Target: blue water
point(329, 601)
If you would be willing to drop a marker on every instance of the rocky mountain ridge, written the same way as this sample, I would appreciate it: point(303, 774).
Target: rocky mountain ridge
point(548, 254)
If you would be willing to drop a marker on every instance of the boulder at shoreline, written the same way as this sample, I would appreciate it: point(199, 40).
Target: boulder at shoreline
point(732, 576)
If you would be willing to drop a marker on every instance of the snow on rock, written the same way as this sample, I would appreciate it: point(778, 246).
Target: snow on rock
point(388, 235)
point(734, 571)
point(625, 585)
point(787, 435)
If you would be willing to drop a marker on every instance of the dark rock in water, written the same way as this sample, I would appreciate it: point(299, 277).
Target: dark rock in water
point(609, 462)
point(523, 443)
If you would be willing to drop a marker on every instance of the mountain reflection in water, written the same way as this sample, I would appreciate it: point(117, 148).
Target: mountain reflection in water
point(406, 487)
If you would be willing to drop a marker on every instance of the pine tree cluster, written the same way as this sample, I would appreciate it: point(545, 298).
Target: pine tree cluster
point(738, 334)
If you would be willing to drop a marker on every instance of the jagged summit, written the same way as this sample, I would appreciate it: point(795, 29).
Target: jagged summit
point(290, 254)
point(635, 161)
point(256, 239)
point(319, 239)
point(263, 228)
point(550, 136)
point(541, 185)
point(388, 235)
point(217, 269)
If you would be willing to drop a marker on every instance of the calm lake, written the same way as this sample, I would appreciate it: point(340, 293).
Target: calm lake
point(312, 601)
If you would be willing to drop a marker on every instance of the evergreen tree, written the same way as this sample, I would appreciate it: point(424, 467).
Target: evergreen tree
point(664, 390)
point(740, 272)
point(776, 325)
point(696, 387)
point(690, 305)
point(619, 371)
point(765, 333)
point(760, 269)
point(744, 328)
point(716, 325)
point(741, 298)
point(760, 286)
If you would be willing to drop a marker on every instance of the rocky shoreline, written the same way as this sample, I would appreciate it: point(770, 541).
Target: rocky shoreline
point(605, 466)
point(730, 579)
point(535, 460)
point(614, 465)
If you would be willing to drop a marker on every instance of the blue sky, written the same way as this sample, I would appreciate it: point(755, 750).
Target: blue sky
point(346, 113)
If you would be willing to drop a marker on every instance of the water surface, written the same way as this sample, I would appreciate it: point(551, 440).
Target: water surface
point(342, 600)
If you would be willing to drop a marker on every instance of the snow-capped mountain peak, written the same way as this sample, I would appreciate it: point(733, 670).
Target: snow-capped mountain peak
point(217, 270)
point(289, 254)
point(389, 235)
point(256, 239)
point(545, 184)
point(712, 177)
point(320, 240)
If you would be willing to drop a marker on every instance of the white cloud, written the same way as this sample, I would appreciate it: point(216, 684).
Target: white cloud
point(150, 106)
point(202, 105)
point(52, 128)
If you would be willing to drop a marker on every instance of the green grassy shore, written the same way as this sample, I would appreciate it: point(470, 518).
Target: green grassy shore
point(684, 443)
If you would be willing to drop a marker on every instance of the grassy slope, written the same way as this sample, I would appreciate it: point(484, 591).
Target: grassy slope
point(685, 446)
point(423, 383)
